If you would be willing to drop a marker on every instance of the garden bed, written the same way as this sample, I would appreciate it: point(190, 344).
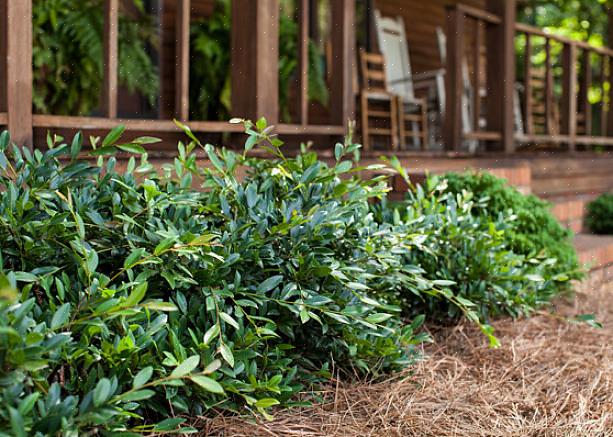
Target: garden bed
point(549, 378)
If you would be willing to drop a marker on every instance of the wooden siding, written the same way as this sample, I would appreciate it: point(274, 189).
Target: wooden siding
point(421, 19)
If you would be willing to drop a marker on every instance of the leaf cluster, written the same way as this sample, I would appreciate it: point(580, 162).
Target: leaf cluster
point(533, 232)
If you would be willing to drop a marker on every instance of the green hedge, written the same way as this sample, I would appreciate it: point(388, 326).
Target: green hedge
point(130, 300)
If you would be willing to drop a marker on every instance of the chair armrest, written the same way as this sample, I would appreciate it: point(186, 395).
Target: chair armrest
point(429, 75)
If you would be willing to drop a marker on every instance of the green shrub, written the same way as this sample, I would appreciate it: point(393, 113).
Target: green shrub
point(600, 214)
point(470, 254)
point(534, 231)
point(127, 300)
point(130, 300)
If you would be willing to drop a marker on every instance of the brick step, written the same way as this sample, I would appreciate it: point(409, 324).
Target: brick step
point(570, 212)
point(596, 251)
point(562, 185)
point(556, 166)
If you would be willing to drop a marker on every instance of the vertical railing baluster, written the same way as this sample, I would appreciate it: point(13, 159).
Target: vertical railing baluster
point(303, 63)
point(604, 107)
point(453, 78)
point(111, 51)
point(584, 95)
point(602, 78)
point(182, 66)
point(569, 93)
point(19, 70)
point(342, 98)
point(477, 93)
point(528, 119)
point(610, 107)
point(549, 122)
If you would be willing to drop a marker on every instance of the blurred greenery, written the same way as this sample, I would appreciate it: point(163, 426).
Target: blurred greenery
point(584, 20)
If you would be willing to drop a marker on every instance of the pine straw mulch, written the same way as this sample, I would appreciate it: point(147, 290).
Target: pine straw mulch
point(549, 378)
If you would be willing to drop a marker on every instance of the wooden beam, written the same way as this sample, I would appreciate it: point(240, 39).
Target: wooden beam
point(602, 78)
point(477, 93)
point(549, 102)
point(609, 118)
point(182, 65)
point(255, 59)
point(453, 78)
point(111, 54)
point(528, 121)
point(342, 99)
point(584, 92)
point(303, 62)
point(19, 70)
point(501, 72)
point(3, 55)
point(569, 93)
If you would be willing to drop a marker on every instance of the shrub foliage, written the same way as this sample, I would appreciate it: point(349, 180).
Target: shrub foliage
point(600, 214)
point(534, 230)
point(129, 299)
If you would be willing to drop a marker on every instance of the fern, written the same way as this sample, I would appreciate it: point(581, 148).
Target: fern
point(68, 55)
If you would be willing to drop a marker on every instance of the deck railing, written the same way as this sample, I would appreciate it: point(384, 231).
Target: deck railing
point(255, 57)
point(549, 103)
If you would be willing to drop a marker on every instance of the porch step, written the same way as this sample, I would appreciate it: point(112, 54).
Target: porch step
point(596, 252)
point(559, 176)
point(570, 211)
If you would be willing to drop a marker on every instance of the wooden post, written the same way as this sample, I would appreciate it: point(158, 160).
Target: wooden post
point(111, 52)
point(528, 120)
point(303, 63)
point(607, 110)
point(342, 99)
point(501, 72)
point(477, 93)
point(569, 93)
point(604, 107)
point(453, 78)
point(550, 128)
point(255, 59)
point(584, 94)
point(182, 65)
point(19, 70)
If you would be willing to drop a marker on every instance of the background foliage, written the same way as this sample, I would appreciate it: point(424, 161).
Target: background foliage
point(210, 99)
point(600, 214)
point(68, 55)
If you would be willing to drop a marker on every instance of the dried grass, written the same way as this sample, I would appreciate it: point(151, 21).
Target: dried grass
point(550, 378)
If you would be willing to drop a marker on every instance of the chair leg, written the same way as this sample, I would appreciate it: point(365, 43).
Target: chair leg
point(424, 125)
point(394, 105)
point(399, 116)
point(365, 127)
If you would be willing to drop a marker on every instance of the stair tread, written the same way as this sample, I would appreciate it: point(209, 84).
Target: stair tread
point(595, 250)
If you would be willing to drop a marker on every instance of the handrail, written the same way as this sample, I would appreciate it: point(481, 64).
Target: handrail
point(526, 28)
point(478, 14)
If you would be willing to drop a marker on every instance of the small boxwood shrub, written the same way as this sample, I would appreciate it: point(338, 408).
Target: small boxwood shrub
point(534, 231)
point(469, 253)
point(600, 214)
